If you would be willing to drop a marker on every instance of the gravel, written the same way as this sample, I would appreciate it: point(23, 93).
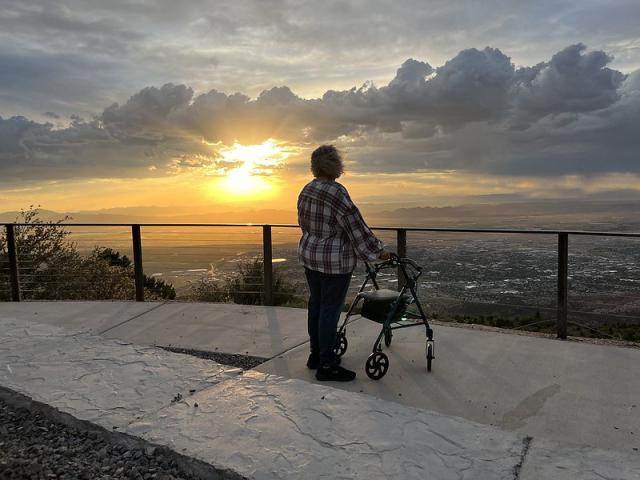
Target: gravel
point(34, 447)
point(245, 362)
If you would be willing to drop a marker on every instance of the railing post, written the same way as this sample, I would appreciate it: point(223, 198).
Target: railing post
point(402, 253)
point(137, 262)
point(267, 265)
point(563, 281)
point(14, 273)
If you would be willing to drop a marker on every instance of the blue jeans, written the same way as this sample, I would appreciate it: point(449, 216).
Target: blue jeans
point(326, 299)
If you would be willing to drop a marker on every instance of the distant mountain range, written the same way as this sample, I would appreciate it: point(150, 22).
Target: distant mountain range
point(162, 215)
point(519, 208)
point(533, 214)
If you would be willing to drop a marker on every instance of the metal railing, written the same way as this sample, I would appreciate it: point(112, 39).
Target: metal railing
point(401, 247)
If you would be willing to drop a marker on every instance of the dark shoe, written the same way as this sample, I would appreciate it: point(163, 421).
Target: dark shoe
point(314, 361)
point(334, 373)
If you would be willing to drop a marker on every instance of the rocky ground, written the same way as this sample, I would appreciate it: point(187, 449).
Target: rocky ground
point(33, 447)
point(245, 362)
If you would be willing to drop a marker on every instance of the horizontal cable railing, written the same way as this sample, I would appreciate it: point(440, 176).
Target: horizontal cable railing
point(20, 274)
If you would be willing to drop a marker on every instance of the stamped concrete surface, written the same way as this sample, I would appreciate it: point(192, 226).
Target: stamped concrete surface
point(268, 427)
point(100, 380)
point(261, 426)
point(569, 392)
point(247, 329)
point(534, 386)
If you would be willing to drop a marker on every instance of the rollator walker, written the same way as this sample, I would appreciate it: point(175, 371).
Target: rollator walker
point(390, 309)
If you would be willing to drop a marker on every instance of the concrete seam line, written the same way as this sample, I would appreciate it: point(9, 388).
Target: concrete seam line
point(198, 468)
point(132, 318)
point(526, 444)
point(287, 350)
point(302, 343)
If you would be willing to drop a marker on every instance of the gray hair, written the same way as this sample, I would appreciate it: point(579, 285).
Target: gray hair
point(326, 161)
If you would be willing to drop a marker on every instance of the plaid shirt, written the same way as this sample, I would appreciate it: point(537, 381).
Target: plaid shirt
point(334, 234)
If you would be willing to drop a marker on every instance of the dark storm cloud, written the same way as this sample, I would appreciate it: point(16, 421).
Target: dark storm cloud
point(114, 47)
point(477, 112)
point(35, 151)
point(573, 81)
point(145, 116)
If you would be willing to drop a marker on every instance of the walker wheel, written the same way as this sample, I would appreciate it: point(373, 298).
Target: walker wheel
point(387, 336)
point(341, 344)
point(377, 365)
point(430, 356)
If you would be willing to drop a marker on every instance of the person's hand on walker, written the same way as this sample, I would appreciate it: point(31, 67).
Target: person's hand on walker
point(385, 255)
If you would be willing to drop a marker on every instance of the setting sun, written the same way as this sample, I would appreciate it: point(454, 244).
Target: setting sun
point(247, 168)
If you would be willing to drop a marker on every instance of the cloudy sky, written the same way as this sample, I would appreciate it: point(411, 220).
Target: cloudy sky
point(203, 103)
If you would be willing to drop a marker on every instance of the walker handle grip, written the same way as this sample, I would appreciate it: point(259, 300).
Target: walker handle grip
point(396, 258)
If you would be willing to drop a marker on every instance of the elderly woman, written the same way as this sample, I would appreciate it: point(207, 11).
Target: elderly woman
point(334, 236)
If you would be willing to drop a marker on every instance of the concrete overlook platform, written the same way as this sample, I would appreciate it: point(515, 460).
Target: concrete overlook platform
point(262, 424)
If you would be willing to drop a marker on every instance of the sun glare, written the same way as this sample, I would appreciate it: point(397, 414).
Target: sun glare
point(247, 168)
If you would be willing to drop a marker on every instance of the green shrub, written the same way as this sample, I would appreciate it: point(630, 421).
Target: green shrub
point(245, 286)
point(51, 268)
